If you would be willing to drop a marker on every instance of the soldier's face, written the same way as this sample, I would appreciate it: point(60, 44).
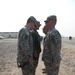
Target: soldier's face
point(31, 25)
point(49, 25)
point(45, 30)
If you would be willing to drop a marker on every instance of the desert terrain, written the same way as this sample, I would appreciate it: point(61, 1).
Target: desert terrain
point(8, 54)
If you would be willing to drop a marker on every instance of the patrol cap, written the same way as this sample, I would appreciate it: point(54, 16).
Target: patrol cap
point(38, 23)
point(50, 18)
point(32, 19)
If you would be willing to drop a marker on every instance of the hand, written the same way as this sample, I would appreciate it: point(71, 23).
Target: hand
point(31, 61)
point(36, 54)
point(52, 65)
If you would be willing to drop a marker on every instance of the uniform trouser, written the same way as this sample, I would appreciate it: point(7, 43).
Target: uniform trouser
point(51, 70)
point(35, 64)
point(27, 70)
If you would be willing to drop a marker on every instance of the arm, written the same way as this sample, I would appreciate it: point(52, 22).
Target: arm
point(55, 48)
point(24, 44)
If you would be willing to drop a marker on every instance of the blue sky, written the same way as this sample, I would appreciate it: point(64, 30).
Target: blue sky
point(14, 13)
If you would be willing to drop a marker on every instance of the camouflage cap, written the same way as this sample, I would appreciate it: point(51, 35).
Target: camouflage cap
point(38, 23)
point(50, 18)
point(32, 19)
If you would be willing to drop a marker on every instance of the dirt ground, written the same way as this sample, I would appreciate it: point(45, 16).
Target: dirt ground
point(8, 54)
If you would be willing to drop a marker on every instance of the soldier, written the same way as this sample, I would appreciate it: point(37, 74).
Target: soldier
point(45, 32)
point(36, 46)
point(25, 47)
point(52, 47)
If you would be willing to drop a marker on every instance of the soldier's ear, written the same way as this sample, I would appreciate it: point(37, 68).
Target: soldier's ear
point(53, 22)
point(31, 23)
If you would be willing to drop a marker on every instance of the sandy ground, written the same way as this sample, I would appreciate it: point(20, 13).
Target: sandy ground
point(8, 66)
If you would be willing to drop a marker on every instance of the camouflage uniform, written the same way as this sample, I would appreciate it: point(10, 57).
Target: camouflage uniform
point(25, 51)
point(37, 48)
point(51, 51)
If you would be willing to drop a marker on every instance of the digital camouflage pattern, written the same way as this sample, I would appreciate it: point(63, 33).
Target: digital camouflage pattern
point(25, 45)
point(25, 50)
point(51, 51)
point(52, 70)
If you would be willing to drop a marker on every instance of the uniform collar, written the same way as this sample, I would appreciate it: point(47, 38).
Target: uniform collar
point(51, 30)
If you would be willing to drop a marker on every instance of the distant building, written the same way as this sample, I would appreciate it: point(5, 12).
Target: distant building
point(9, 34)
